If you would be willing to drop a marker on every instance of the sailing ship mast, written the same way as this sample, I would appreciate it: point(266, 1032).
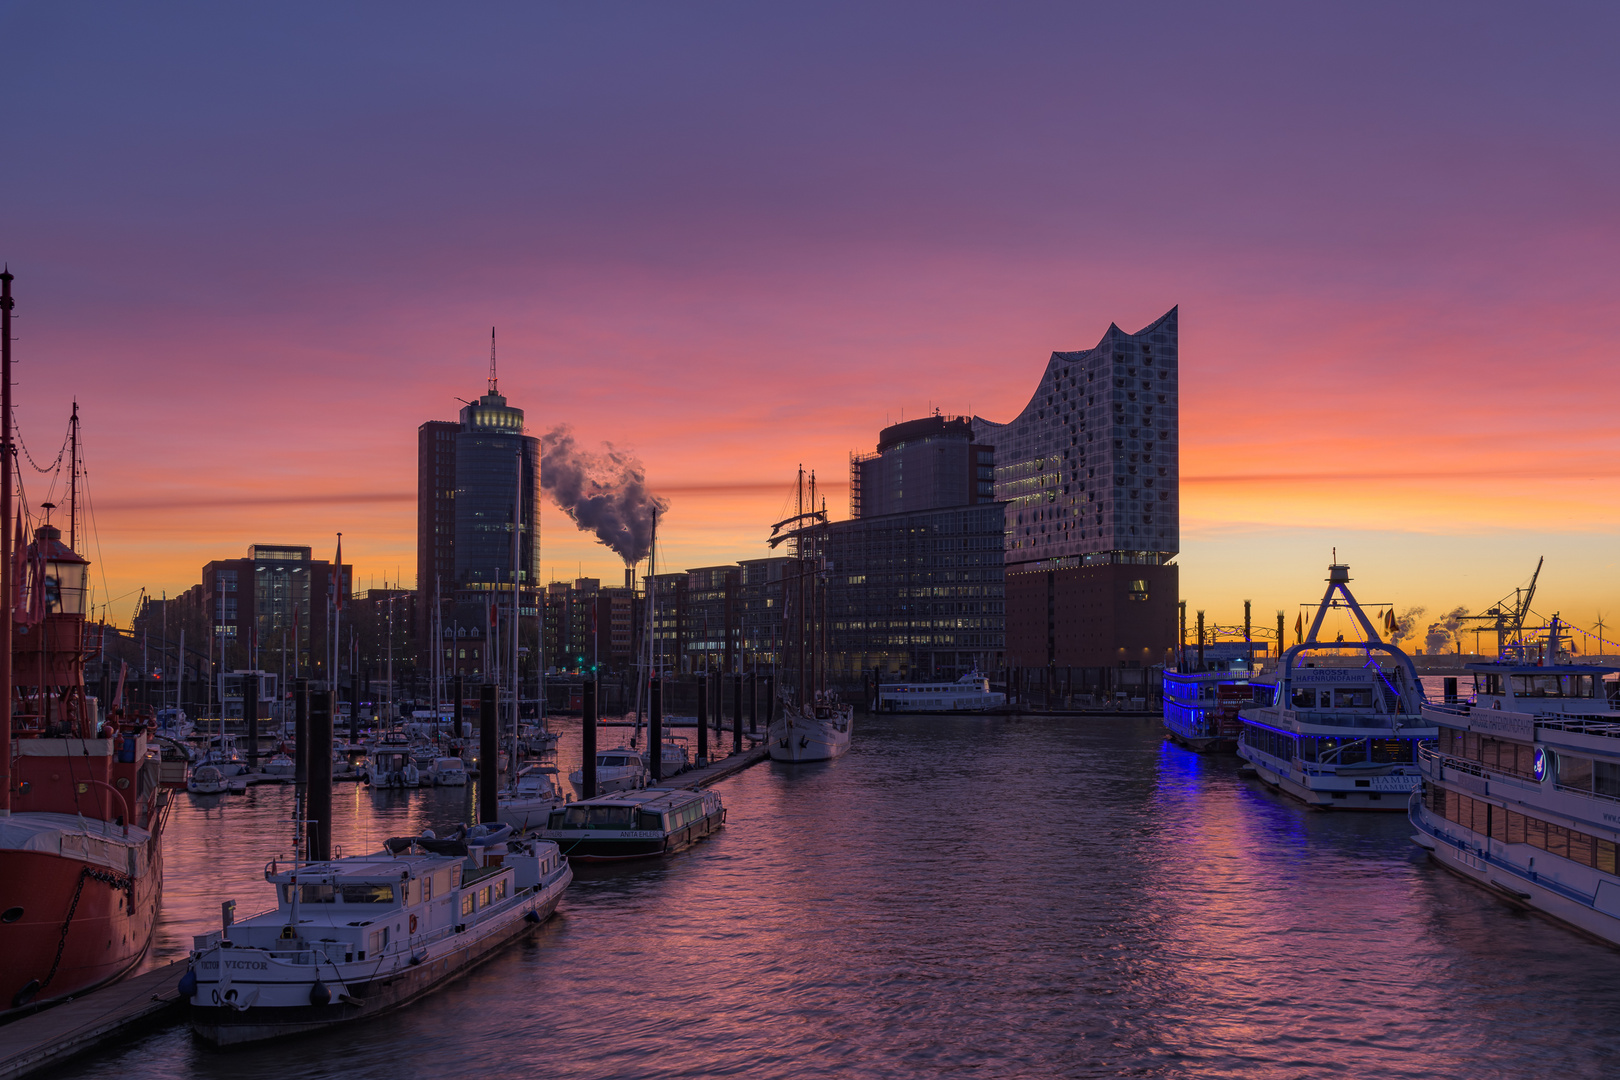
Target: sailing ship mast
point(7, 585)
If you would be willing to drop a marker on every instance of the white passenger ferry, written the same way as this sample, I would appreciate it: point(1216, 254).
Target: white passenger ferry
point(970, 693)
point(353, 937)
point(1521, 793)
point(1339, 723)
point(1201, 707)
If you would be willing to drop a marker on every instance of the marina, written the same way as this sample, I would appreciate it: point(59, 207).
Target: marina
point(797, 876)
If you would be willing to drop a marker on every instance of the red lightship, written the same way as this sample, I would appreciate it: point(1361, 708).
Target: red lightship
point(81, 809)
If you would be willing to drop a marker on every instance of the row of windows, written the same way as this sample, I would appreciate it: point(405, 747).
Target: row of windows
point(1502, 755)
point(1512, 827)
point(484, 897)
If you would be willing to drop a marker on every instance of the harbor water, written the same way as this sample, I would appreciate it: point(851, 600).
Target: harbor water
point(994, 896)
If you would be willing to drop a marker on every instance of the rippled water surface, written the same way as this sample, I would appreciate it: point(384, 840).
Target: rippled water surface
point(1006, 897)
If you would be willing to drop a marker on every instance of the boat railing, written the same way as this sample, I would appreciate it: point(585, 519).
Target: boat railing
point(1475, 768)
point(1583, 725)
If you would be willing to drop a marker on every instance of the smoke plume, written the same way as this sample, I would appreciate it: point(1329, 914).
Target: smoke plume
point(605, 493)
point(1406, 625)
point(1442, 631)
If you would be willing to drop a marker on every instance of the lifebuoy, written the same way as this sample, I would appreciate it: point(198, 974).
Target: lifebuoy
point(413, 924)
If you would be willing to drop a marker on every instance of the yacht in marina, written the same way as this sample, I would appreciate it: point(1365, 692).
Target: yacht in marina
point(619, 769)
point(353, 937)
point(970, 693)
point(529, 804)
point(1338, 724)
point(1201, 707)
point(634, 824)
point(1521, 791)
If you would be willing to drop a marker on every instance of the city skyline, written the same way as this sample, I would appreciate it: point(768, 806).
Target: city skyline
point(1395, 279)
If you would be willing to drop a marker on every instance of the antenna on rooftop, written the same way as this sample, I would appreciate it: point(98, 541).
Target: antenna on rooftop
point(492, 379)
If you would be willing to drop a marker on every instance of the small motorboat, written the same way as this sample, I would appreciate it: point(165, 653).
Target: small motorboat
point(620, 769)
point(392, 767)
point(280, 765)
point(449, 772)
point(538, 794)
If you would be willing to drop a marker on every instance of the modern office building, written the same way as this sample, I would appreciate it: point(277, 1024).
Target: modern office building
point(1090, 475)
point(914, 577)
point(256, 603)
point(474, 477)
point(922, 465)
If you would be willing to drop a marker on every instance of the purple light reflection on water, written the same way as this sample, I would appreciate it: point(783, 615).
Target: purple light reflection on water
point(1015, 897)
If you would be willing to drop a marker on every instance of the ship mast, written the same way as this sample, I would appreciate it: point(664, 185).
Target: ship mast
point(6, 569)
point(73, 477)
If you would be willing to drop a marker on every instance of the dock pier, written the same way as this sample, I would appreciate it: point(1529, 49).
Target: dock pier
point(53, 1035)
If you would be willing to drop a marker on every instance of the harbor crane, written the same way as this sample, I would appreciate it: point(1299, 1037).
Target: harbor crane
point(1509, 613)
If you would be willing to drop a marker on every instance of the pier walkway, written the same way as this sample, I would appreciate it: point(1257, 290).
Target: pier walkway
point(51, 1036)
point(716, 770)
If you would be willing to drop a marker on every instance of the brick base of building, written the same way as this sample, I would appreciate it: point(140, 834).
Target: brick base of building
point(1104, 616)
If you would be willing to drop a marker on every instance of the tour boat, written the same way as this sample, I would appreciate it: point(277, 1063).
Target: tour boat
point(619, 769)
point(353, 937)
point(81, 850)
point(1338, 724)
point(970, 693)
point(634, 824)
point(536, 796)
point(1521, 792)
point(1201, 708)
point(449, 772)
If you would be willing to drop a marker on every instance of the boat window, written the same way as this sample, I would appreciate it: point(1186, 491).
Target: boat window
point(1577, 685)
point(1304, 698)
point(1536, 686)
point(1358, 698)
point(368, 894)
point(500, 889)
point(1487, 684)
point(1264, 696)
point(651, 821)
point(314, 894)
point(466, 903)
point(1393, 751)
point(1575, 772)
point(1606, 778)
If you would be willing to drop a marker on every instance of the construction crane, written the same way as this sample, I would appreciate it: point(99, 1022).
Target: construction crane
point(1509, 613)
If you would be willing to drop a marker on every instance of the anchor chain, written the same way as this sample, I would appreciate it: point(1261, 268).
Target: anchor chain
point(85, 874)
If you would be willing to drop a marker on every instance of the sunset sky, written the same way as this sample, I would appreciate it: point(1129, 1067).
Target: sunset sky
point(262, 244)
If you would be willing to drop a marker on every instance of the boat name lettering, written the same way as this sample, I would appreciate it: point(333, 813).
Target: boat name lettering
point(1333, 675)
point(1517, 727)
point(238, 965)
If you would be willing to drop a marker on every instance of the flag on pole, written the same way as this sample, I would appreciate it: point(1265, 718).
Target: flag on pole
point(1299, 629)
point(337, 577)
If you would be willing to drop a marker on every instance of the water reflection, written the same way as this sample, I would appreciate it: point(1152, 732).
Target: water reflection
point(1012, 896)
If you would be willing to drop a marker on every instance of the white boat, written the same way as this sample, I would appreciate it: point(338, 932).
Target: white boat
point(970, 693)
point(280, 765)
point(619, 769)
point(224, 756)
point(820, 733)
point(673, 760)
point(449, 772)
point(172, 724)
point(1521, 792)
point(354, 937)
point(206, 780)
point(1338, 724)
point(392, 767)
point(537, 795)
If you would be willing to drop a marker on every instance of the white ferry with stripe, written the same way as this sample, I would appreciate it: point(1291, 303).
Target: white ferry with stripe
point(1521, 792)
point(970, 693)
point(1339, 724)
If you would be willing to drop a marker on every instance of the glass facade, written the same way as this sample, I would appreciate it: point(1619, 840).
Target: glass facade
point(919, 595)
point(487, 474)
point(1092, 464)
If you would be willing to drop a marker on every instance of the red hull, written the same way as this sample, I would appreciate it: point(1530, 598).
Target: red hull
point(107, 935)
